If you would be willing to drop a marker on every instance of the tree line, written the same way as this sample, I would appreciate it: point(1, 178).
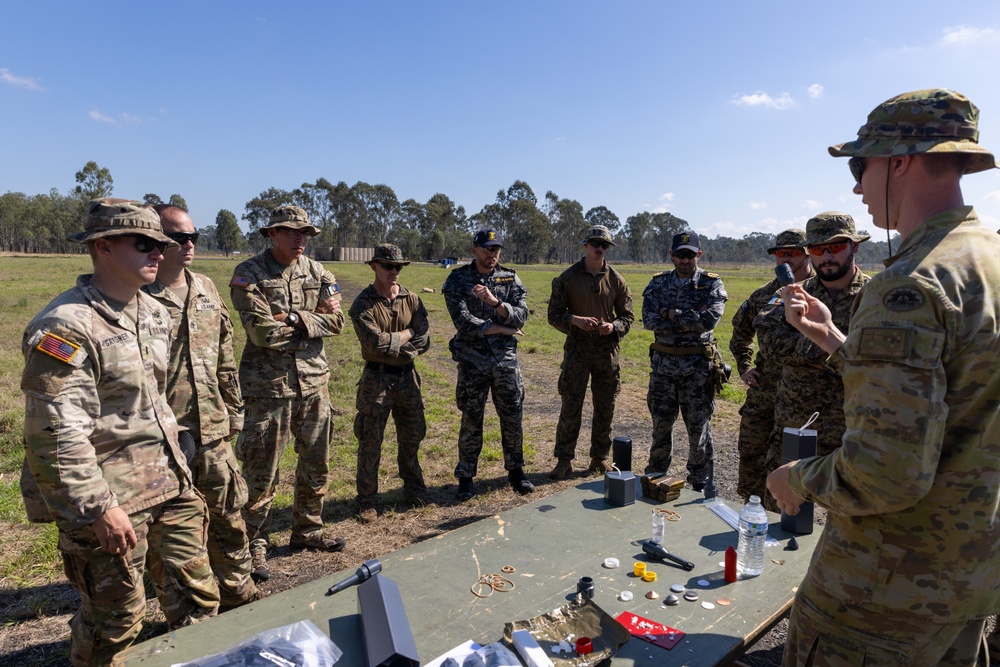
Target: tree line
point(363, 215)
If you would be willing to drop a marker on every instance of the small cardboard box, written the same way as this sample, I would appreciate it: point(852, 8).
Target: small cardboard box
point(619, 488)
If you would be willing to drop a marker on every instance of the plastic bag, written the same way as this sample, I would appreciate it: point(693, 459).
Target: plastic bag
point(297, 645)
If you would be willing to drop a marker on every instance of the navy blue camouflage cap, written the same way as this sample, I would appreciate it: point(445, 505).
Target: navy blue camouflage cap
point(110, 216)
point(686, 241)
point(486, 238)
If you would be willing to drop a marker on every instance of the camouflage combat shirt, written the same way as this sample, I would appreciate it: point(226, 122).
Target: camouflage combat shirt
point(605, 296)
point(98, 431)
point(282, 361)
point(914, 491)
point(202, 383)
point(378, 322)
point(741, 343)
point(472, 317)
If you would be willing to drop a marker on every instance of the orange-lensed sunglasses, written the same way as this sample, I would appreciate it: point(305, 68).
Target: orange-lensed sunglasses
point(787, 253)
point(832, 248)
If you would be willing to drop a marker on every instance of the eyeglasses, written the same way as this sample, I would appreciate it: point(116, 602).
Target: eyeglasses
point(787, 253)
point(832, 248)
point(603, 245)
point(146, 244)
point(183, 237)
point(857, 166)
point(391, 268)
point(684, 254)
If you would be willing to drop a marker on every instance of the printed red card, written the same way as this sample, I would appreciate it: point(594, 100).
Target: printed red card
point(650, 631)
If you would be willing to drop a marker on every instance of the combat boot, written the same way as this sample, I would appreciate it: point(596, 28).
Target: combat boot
point(465, 488)
point(258, 568)
point(599, 466)
point(368, 515)
point(317, 542)
point(519, 482)
point(563, 470)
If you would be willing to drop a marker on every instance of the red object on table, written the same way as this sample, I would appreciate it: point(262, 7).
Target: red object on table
point(584, 646)
point(663, 636)
point(731, 565)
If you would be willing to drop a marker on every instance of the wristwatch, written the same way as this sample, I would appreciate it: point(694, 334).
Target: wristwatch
point(292, 319)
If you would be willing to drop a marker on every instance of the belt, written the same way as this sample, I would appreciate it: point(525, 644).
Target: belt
point(391, 369)
point(704, 350)
point(591, 334)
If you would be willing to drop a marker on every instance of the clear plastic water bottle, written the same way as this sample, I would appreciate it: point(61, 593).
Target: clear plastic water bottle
point(753, 533)
point(657, 534)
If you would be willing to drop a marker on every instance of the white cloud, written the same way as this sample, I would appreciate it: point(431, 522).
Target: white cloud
point(126, 118)
point(18, 81)
point(762, 99)
point(992, 196)
point(757, 205)
point(815, 91)
point(666, 199)
point(99, 117)
point(130, 119)
point(667, 196)
point(967, 34)
point(812, 205)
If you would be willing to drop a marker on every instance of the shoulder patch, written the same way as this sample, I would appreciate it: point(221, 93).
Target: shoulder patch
point(746, 306)
point(775, 300)
point(239, 281)
point(661, 273)
point(885, 342)
point(57, 347)
point(713, 276)
point(903, 298)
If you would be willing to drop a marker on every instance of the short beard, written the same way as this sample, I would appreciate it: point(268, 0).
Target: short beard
point(841, 271)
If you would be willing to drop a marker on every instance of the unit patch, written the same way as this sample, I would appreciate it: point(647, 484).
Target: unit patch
point(903, 298)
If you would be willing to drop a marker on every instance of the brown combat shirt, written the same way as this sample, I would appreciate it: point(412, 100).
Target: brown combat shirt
point(378, 321)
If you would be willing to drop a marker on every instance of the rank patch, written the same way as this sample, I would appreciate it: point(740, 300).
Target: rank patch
point(57, 347)
point(885, 343)
point(903, 298)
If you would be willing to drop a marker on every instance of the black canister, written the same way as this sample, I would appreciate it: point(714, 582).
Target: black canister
point(621, 452)
point(586, 587)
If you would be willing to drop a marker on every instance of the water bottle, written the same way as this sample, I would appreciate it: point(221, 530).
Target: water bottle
point(657, 535)
point(753, 533)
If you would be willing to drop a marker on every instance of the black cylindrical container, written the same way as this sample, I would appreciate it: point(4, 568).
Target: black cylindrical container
point(621, 452)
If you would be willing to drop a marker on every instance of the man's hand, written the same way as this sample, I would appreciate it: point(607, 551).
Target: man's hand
point(606, 329)
point(328, 307)
point(587, 324)
point(751, 378)
point(777, 483)
point(114, 531)
point(503, 330)
point(812, 318)
point(483, 293)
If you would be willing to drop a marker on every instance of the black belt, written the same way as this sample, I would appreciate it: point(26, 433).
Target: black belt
point(392, 369)
point(592, 334)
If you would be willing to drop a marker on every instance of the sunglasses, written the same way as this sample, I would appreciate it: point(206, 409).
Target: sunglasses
point(183, 237)
point(145, 244)
point(857, 166)
point(390, 267)
point(603, 245)
point(684, 254)
point(832, 248)
point(493, 249)
point(787, 253)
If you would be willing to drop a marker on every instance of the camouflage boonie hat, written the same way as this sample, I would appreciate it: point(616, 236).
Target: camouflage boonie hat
point(388, 253)
point(119, 217)
point(924, 121)
point(790, 238)
point(601, 233)
point(292, 217)
point(830, 227)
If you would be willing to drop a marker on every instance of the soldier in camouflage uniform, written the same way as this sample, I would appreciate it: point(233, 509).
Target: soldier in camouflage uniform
point(807, 383)
point(486, 302)
point(682, 308)
point(288, 304)
point(908, 566)
point(760, 375)
point(203, 391)
point(102, 457)
point(592, 305)
point(391, 324)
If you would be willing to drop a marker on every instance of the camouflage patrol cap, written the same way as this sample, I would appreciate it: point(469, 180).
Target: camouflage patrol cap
point(290, 217)
point(110, 216)
point(601, 233)
point(790, 238)
point(830, 227)
point(924, 121)
point(388, 253)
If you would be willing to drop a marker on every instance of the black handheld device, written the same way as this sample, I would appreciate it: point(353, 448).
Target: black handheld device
point(657, 552)
point(365, 572)
point(785, 275)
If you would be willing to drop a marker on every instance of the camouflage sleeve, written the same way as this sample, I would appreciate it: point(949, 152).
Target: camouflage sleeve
point(894, 389)
point(741, 343)
point(226, 371)
point(652, 305)
point(60, 412)
point(456, 291)
point(321, 325)
point(421, 342)
point(624, 312)
point(517, 304)
point(256, 316)
point(558, 312)
point(707, 315)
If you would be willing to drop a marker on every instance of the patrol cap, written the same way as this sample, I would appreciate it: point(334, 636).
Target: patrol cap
point(485, 238)
point(790, 238)
point(935, 120)
point(601, 233)
point(110, 216)
point(829, 227)
point(686, 241)
point(291, 217)
point(388, 253)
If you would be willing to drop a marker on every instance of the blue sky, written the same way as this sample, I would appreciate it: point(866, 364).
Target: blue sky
point(719, 112)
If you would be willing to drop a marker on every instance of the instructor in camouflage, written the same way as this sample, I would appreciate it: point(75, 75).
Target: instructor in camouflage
point(288, 304)
point(592, 305)
point(391, 324)
point(761, 374)
point(102, 458)
point(486, 302)
point(908, 566)
point(203, 390)
point(682, 308)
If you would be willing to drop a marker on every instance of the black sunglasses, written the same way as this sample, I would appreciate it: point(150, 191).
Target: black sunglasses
point(183, 237)
point(146, 244)
point(684, 254)
point(857, 166)
point(604, 245)
point(390, 267)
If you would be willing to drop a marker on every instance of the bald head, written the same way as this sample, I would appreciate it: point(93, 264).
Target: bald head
point(174, 218)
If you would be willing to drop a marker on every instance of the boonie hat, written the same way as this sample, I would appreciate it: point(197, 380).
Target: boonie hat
point(486, 238)
point(790, 238)
point(686, 241)
point(829, 227)
point(292, 217)
point(110, 216)
point(388, 253)
point(935, 120)
point(601, 233)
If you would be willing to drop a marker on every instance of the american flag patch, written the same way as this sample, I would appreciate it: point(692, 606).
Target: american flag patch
point(57, 347)
point(239, 281)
